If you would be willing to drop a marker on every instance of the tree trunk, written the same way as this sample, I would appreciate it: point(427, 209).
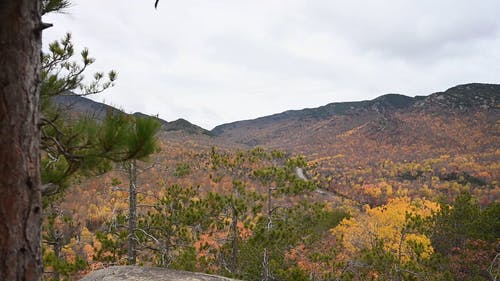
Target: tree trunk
point(132, 213)
point(265, 260)
point(20, 199)
point(57, 253)
point(234, 242)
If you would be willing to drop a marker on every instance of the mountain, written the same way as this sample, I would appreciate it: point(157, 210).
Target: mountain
point(462, 118)
point(185, 126)
point(380, 104)
point(462, 97)
point(180, 124)
point(78, 105)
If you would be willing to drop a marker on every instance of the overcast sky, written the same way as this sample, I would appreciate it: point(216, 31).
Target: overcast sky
point(217, 61)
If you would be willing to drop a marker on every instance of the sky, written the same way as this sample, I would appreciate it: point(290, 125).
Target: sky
point(218, 61)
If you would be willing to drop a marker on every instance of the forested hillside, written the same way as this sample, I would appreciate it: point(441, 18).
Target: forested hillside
point(395, 188)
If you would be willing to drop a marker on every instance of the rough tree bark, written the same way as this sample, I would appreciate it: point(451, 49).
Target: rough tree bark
point(20, 199)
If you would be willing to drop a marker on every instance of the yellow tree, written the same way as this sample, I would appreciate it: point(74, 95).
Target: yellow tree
point(389, 229)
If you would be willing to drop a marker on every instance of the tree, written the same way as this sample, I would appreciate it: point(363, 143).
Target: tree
point(279, 178)
point(67, 149)
point(71, 143)
point(59, 231)
point(20, 185)
point(465, 237)
point(272, 171)
point(236, 168)
point(133, 139)
point(384, 240)
point(143, 133)
point(81, 145)
point(175, 223)
point(290, 242)
point(454, 224)
point(20, 198)
point(166, 232)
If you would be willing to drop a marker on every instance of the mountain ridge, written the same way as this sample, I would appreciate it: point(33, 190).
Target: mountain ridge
point(382, 103)
point(333, 118)
point(462, 119)
point(83, 106)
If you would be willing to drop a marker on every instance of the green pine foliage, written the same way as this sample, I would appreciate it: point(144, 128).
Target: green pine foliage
point(166, 232)
point(49, 6)
point(58, 231)
point(76, 145)
point(302, 224)
point(182, 170)
point(112, 248)
point(465, 237)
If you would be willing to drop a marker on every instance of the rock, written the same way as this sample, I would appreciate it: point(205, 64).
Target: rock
point(140, 273)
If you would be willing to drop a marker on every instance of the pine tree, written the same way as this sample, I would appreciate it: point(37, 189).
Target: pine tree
point(70, 144)
point(80, 145)
point(20, 47)
point(280, 178)
point(240, 201)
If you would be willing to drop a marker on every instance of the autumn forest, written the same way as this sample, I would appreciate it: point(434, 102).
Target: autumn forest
point(394, 188)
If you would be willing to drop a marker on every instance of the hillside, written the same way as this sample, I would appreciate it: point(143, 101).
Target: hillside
point(78, 105)
point(371, 160)
point(357, 143)
point(352, 140)
point(462, 118)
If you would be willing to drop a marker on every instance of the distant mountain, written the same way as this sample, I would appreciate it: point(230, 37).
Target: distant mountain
point(184, 125)
point(78, 105)
point(462, 97)
point(380, 104)
point(178, 125)
point(461, 118)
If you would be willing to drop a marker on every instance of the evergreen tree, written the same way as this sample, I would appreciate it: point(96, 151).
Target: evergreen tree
point(162, 235)
point(144, 143)
point(20, 37)
point(465, 238)
point(280, 178)
point(240, 203)
point(58, 231)
point(71, 143)
point(76, 145)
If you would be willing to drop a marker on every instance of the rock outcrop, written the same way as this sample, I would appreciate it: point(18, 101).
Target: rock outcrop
point(139, 273)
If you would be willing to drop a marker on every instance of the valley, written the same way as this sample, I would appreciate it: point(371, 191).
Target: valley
point(408, 154)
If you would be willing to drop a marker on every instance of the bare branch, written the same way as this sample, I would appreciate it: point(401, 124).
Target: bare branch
point(147, 234)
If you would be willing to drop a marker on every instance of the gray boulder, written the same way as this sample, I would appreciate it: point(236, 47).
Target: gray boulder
point(140, 273)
